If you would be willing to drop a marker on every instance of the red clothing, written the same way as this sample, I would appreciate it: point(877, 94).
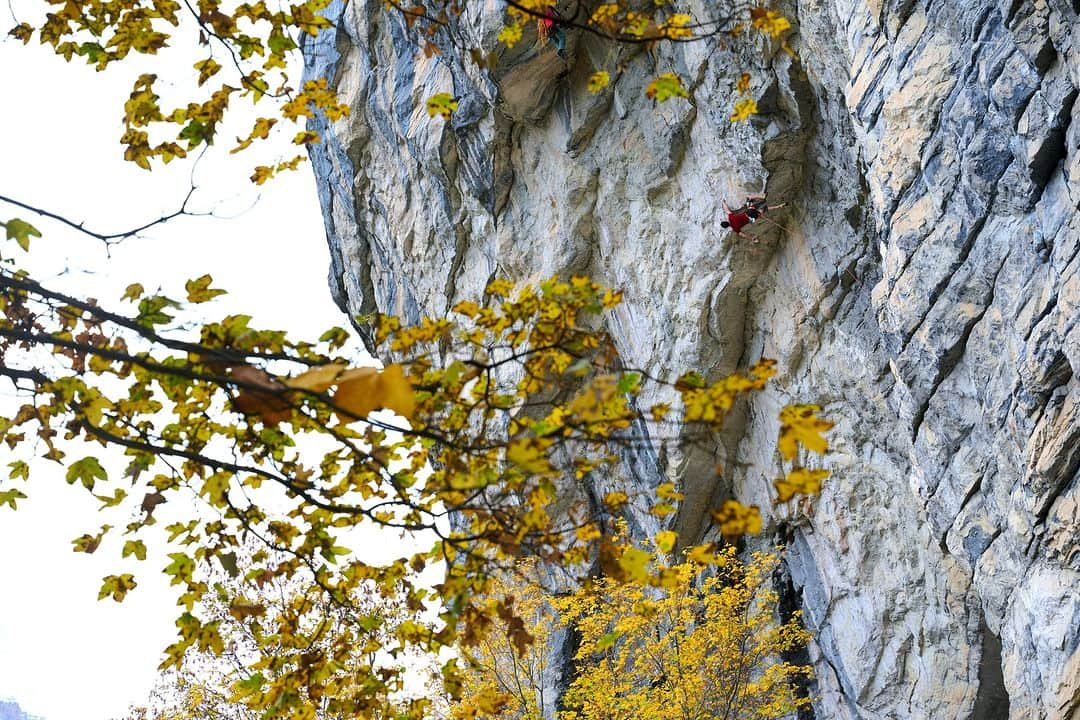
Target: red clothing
point(738, 220)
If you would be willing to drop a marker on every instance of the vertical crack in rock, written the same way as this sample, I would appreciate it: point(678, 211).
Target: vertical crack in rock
point(992, 702)
point(789, 604)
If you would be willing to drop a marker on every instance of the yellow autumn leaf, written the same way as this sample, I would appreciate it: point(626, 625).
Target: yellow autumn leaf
point(659, 411)
point(509, 36)
point(241, 609)
point(587, 533)
point(665, 87)
point(357, 391)
point(499, 286)
point(635, 563)
point(604, 12)
point(442, 104)
point(703, 554)
point(396, 392)
point(744, 109)
point(736, 519)
point(207, 68)
point(667, 492)
point(21, 231)
point(598, 81)
point(769, 21)
point(262, 174)
point(800, 481)
point(615, 500)
point(306, 137)
point(665, 540)
point(800, 424)
point(317, 379)
point(529, 456)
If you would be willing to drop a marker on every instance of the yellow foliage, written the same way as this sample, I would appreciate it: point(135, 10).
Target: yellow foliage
point(744, 109)
point(510, 35)
point(770, 22)
point(736, 519)
point(800, 481)
point(598, 81)
point(716, 653)
point(704, 644)
point(665, 540)
point(666, 86)
point(799, 424)
point(442, 104)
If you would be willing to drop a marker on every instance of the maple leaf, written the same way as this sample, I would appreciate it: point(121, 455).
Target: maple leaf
point(799, 424)
point(199, 290)
point(150, 502)
point(262, 174)
point(207, 68)
point(23, 32)
point(267, 404)
point(665, 540)
point(88, 470)
point(800, 481)
point(442, 104)
point(117, 586)
point(20, 231)
point(634, 562)
point(665, 87)
point(598, 81)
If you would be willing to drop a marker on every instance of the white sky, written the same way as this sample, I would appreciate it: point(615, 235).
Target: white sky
point(63, 654)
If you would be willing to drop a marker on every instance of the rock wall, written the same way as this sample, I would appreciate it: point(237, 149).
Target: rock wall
point(922, 284)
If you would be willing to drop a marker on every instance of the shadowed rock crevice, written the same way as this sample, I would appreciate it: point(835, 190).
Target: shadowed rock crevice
point(992, 702)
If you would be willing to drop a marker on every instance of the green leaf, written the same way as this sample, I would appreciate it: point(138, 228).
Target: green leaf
point(87, 471)
point(134, 291)
point(251, 684)
point(442, 104)
point(606, 641)
point(19, 469)
point(117, 497)
point(8, 497)
point(151, 311)
point(629, 383)
point(21, 231)
point(136, 548)
point(665, 87)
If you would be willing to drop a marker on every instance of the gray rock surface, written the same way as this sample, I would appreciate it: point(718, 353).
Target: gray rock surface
point(923, 284)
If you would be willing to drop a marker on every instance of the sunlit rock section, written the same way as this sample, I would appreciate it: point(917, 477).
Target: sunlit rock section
point(922, 284)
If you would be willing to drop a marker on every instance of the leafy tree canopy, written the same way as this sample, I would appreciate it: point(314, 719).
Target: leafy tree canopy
point(481, 443)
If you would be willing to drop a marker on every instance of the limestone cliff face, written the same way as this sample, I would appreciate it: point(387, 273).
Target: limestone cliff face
point(922, 283)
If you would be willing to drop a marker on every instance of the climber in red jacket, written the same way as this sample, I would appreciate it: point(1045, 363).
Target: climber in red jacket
point(753, 209)
point(550, 26)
